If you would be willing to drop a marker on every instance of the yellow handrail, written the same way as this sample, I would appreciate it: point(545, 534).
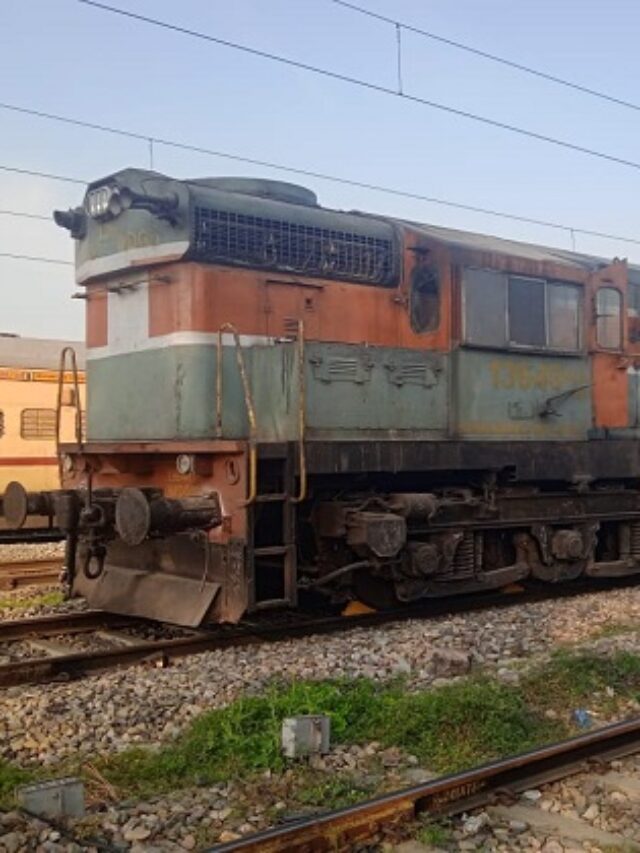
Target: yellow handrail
point(248, 400)
point(302, 423)
point(71, 353)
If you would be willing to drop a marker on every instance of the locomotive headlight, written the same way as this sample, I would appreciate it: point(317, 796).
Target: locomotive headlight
point(98, 202)
point(107, 202)
point(185, 463)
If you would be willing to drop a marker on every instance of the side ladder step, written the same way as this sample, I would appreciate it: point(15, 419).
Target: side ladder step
point(272, 551)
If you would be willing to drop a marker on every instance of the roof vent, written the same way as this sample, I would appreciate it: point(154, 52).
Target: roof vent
point(275, 190)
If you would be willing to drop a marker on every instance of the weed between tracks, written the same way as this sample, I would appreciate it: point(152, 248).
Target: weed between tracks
point(446, 729)
point(469, 721)
point(10, 777)
point(572, 680)
point(28, 602)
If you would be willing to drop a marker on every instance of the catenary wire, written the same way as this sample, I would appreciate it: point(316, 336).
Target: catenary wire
point(25, 215)
point(15, 257)
point(31, 173)
point(518, 66)
point(365, 84)
point(333, 179)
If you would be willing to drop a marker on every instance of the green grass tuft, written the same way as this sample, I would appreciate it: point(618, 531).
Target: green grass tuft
point(42, 599)
point(461, 724)
point(569, 679)
point(435, 834)
point(453, 727)
point(334, 792)
point(10, 777)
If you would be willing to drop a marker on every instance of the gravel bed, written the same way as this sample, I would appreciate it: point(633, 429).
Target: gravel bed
point(24, 551)
point(193, 819)
point(582, 797)
point(143, 705)
point(45, 723)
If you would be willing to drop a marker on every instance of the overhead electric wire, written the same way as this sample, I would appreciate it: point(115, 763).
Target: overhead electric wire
point(353, 183)
point(291, 170)
point(23, 214)
point(518, 66)
point(34, 174)
point(35, 258)
point(365, 84)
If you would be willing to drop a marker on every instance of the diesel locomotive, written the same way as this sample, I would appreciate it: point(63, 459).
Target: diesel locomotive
point(284, 399)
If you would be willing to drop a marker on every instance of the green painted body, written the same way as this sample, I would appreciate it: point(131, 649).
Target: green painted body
point(351, 392)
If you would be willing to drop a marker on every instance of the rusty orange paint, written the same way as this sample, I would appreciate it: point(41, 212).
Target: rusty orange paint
point(610, 386)
point(96, 318)
point(610, 390)
point(153, 464)
point(202, 298)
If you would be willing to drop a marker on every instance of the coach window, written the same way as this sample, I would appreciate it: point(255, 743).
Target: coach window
point(608, 318)
point(425, 299)
point(633, 313)
point(38, 424)
point(563, 313)
point(527, 312)
point(484, 308)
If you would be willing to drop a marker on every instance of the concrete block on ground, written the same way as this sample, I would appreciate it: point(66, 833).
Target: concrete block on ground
point(307, 734)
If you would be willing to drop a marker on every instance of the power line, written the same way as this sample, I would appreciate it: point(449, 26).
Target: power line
point(34, 258)
point(536, 72)
point(365, 84)
point(47, 175)
point(346, 182)
point(23, 214)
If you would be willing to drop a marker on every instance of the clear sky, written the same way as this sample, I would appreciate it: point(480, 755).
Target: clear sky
point(64, 57)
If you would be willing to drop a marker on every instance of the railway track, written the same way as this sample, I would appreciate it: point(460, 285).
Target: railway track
point(30, 535)
point(21, 573)
point(68, 646)
point(495, 786)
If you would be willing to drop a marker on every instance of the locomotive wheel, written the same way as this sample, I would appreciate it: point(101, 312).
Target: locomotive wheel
point(375, 592)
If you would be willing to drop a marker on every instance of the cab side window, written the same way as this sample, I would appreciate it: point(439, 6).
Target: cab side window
point(485, 308)
point(563, 311)
point(609, 318)
point(424, 308)
point(633, 313)
point(519, 312)
point(527, 325)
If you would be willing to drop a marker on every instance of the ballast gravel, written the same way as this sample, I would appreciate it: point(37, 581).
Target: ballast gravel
point(48, 723)
point(140, 705)
point(25, 551)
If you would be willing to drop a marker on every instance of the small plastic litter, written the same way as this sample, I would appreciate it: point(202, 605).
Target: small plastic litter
point(582, 718)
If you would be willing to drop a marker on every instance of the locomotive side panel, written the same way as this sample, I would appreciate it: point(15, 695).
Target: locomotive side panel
point(519, 396)
point(170, 393)
point(366, 392)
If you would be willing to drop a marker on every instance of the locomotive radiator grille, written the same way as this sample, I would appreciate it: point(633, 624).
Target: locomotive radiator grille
point(255, 241)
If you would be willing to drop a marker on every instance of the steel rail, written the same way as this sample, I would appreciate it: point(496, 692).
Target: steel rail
point(30, 535)
point(220, 637)
point(56, 624)
point(344, 829)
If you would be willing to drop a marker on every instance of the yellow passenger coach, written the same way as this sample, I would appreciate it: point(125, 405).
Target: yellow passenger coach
point(29, 379)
